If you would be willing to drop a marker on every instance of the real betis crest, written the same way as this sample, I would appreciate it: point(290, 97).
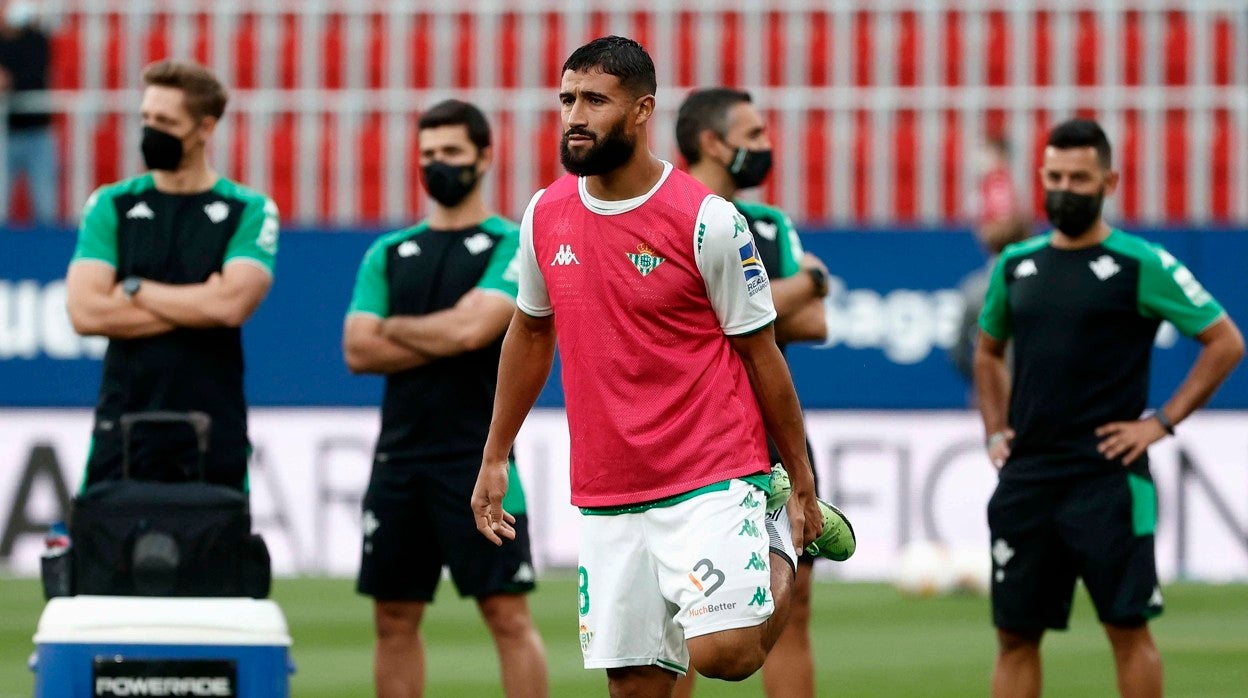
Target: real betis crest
point(645, 260)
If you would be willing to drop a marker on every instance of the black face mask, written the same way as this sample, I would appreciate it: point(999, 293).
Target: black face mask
point(1073, 214)
point(449, 184)
point(161, 150)
point(749, 167)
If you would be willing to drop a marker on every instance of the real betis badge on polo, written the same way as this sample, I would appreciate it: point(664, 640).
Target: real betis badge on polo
point(645, 260)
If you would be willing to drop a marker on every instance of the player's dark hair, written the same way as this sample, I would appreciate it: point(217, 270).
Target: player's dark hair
point(1082, 133)
point(203, 93)
point(705, 110)
point(453, 112)
point(618, 56)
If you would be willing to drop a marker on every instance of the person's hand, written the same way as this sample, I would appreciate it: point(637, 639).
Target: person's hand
point(999, 447)
point(487, 503)
point(805, 518)
point(810, 261)
point(1129, 440)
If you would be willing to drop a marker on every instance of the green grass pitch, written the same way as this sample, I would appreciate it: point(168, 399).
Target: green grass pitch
point(869, 642)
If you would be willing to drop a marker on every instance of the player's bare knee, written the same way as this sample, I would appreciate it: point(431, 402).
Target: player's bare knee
point(397, 619)
point(1018, 640)
point(732, 666)
point(732, 655)
point(640, 681)
point(507, 619)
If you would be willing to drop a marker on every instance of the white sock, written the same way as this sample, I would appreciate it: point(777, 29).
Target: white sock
point(780, 536)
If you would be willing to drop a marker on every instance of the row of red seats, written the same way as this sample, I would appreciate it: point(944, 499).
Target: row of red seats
point(1178, 51)
point(814, 138)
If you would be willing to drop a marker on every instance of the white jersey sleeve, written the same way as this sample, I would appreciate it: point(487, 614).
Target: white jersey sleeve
point(736, 281)
point(532, 297)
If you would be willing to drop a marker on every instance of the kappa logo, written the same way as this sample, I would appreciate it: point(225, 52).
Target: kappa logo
point(369, 524)
point(564, 257)
point(409, 249)
point(1156, 600)
point(645, 259)
point(752, 268)
point(217, 211)
point(479, 243)
point(141, 210)
point(1027, 267)
point(524, 574)
point(1104, 267)
point(767, 230)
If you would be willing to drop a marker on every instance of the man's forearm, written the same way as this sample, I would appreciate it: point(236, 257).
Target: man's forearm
point(808, 323)
point(791, 293)
point(1214, 363)
point(115, 317)
point(436, 334)
point(992, 391)
point(527, 355)
point(782, 415)
point(188, 305)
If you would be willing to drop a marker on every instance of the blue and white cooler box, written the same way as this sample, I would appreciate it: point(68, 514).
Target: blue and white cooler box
point(114, 646)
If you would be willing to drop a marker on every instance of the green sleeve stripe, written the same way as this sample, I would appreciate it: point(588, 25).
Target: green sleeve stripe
point(372, 287)
point(256, 236)
point(995, 319)
point(1167, 290)
point(502, 275)
point(97, 233)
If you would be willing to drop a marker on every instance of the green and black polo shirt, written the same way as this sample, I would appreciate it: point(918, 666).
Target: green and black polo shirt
point(176, 239)
point(440, 410)
point(1083, 324)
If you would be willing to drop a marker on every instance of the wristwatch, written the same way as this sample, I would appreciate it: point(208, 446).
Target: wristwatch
point(820, 277)
point(130, 285)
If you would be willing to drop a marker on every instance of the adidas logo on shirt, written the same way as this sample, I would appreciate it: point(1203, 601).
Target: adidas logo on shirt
point(564, 256)
point(141, 210)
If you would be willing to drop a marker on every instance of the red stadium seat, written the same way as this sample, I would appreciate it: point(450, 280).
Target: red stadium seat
point(1222, 148)
point(282, 175)
point(372, 168)
point(1087, 49)
point(245, 56)
point(332, 54)
point(1176, 51)
point(66, 68)
point(820, 50)
point(1175, 169)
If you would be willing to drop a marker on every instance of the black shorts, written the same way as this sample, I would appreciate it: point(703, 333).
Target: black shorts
point(1045, 534)
point(418, 519)
point(803, 557)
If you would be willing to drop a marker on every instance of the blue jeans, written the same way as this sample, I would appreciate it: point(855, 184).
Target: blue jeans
point(32, 153)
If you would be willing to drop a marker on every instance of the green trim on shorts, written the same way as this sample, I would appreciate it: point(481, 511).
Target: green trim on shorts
point(759, 480)
point(514, 501)
point(1143, 504)
point(672, 665)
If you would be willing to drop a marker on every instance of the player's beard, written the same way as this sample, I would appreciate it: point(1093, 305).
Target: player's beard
point(608, 152)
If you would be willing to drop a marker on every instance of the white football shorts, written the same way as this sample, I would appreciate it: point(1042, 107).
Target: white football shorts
point(651, 579)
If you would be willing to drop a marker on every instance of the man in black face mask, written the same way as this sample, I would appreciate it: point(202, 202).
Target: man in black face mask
point(168, 266)
point(724, 140)
point(1075, 496)
point(430, 307)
